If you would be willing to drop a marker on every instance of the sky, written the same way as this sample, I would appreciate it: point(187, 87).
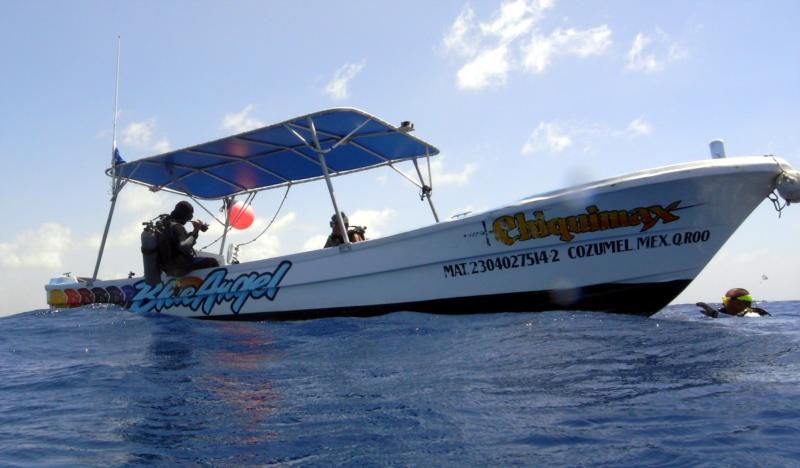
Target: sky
point(520, 96)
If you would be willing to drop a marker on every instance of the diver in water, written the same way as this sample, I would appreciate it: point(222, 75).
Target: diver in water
point(736, 302)
point(176, 246)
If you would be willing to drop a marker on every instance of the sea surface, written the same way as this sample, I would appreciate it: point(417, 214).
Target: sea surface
point(103, 386)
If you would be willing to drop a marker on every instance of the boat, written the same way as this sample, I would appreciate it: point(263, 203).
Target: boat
point(629, 244)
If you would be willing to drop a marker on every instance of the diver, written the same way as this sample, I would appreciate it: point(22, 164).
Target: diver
point(176, 246)
point(736, 302)
point(354, 233)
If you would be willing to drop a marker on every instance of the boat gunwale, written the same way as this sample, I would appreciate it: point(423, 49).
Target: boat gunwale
point(626, 181)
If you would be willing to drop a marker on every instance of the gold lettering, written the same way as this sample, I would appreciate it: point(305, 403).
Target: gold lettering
point(559, 226)
point(633, 217)
point(592, 221)
point(665, 214)
point(578, 224)
point(595, 223)
point(647, 220)
point(501, 227)
point(522, 224)
point(541, 224)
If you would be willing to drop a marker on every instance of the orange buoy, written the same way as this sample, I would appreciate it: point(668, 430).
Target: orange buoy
point(241, 216)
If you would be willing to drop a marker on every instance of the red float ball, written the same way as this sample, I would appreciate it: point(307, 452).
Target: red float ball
point(241, 216)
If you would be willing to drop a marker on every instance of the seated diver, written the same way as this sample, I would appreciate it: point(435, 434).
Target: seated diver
point(176, 246)
point(736, 302)
point(354, 233)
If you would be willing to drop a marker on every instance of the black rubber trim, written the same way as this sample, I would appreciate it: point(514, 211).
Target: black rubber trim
point(643, 299)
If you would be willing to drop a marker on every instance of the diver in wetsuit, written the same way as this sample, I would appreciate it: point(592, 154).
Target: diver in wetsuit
point(354, 233)
point(736, 302)
point(337, 231)
point(176, 246)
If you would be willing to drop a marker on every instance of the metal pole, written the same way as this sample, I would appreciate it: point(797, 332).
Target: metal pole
point(324, 165)
point(116, 184)
point(426, 193)
point(227, 205)
point(105, 233)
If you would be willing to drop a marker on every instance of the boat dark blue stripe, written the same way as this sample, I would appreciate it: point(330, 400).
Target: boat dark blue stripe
point(644, 299)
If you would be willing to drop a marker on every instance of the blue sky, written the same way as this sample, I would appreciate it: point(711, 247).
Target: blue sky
point(520, 96)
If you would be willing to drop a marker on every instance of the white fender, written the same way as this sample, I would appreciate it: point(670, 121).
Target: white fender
point(788, 185)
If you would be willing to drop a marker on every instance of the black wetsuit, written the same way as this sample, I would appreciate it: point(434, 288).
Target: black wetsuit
point(333, 241)
point(354, 234)
point(176, 250)
point(714, 313)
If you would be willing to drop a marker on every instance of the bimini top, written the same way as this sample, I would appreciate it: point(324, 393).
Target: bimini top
point(277, 155)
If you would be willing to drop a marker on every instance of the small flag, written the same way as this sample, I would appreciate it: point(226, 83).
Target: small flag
point(117, 158)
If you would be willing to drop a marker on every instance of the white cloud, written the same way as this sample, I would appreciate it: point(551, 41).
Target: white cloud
point(555, 136)
point(43, 247)
point(510, 41)
point(441, 176)
point(128, 236)
point(161, 146)
point(239, 122)
point(539, 51)
point(490, 67)
point(676, 52)
point(649, 57)
point(139, 135)
point(373, 220)
point(315, 242)
point(514, 19)
point(337, 87)
point(537, 54)
point(639, 127)
point(138, 200)
point(584, 43)
point(460, 39)
point(637, 60)
point(547, 137)
point(268, 245)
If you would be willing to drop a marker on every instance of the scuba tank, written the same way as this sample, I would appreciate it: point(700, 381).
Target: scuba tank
point(150, 234)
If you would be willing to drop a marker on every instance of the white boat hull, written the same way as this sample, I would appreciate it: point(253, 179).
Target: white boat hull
point(628, 245)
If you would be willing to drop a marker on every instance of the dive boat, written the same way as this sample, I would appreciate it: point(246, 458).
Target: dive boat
point(629, 244)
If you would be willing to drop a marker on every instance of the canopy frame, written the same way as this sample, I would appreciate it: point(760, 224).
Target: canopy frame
point(222, 161)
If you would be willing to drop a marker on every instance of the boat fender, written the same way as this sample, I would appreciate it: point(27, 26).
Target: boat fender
point(788, 185)
point(152, 269)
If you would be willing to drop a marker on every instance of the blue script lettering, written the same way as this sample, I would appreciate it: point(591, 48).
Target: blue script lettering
point(215, 289)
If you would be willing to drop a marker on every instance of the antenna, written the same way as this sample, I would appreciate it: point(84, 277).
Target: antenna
point(114, 126)
point(116, 183)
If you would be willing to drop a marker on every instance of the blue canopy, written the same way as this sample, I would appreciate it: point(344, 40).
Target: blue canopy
point(277, 155)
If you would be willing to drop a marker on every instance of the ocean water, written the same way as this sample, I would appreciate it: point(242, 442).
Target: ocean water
point(102, 386)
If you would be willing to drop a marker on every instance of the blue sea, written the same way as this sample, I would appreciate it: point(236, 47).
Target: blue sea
point(103, 386)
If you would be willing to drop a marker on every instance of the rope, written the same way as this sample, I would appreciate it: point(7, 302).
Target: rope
point(773, 197)
point(285, 194)
point(247, 202)
point(776, 203)
point(404, 175)
point(430, 176)
point(206, 210)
